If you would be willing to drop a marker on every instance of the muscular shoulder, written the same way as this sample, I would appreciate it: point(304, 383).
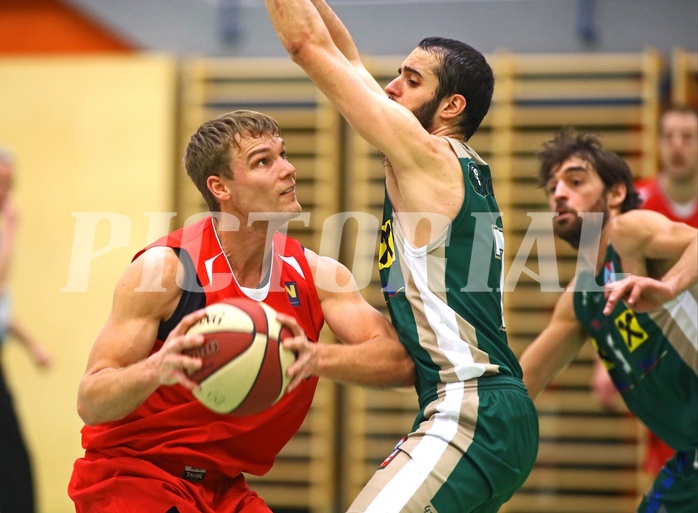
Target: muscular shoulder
point(148, 286)
point(330, 276)
point(644, 234)
point(634, 219)
point(631, 230)
point(431, 182)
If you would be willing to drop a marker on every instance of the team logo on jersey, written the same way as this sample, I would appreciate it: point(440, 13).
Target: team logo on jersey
point(292, 293)
point(480, 184)
point(386, 255)
point(629, 328)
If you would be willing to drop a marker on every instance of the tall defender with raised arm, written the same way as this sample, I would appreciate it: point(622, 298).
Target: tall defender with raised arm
point(475, 438)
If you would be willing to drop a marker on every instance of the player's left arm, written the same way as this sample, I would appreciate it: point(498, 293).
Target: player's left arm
point(344, 43)
point(385, 124)
point(648, 241)
point(370, 353)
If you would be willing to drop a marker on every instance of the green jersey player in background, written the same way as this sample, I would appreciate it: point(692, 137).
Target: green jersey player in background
point(636, 298)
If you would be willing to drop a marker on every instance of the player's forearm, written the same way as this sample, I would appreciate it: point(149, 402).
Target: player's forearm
point(111, 394)
point(297, 23)
point(343, 41)
point(339, 33)
point(685, 272)
point(534, 376)
point(545, 358)
point(375, 363)
point(537, 377)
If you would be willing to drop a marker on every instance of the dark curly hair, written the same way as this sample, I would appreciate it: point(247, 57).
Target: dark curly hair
point(587, 146)
point(463, 70)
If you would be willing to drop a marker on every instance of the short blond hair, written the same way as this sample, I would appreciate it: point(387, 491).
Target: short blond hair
point(209, 150)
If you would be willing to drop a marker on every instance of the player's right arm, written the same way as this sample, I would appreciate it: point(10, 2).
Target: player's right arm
point(553, 350)
point(370, 354)
point(383, 123)
point(345, 44)
point(660, 255)
point(424, 174)
point(121, 373)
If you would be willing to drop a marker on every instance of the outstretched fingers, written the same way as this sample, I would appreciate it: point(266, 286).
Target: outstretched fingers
point(640, 293)
point(617, 291)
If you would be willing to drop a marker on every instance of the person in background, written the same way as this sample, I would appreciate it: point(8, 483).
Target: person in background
point(150, 446)
point(17, 494)
point(673, 192)
point(475, 439)
point(636, 298)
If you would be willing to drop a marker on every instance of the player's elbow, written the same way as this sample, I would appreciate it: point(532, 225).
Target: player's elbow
point(410, 376)
point(304, 50)
point(297, 46)
point(407, 372)
point(85, 413)
point(88, 409)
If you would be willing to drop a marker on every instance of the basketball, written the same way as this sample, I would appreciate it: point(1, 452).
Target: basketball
point(244, 364)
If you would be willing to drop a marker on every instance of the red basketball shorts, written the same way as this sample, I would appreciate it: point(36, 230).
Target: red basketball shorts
point(130, 485)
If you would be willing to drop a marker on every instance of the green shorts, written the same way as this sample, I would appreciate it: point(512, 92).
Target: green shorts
point(676, 488)
point(471, 448)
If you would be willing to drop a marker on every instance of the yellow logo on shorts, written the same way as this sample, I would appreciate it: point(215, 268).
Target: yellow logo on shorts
point(633, 334)
point(386, 254)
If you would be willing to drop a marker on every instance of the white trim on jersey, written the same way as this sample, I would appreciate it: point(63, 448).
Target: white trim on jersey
point(442, 318)
point(208, 265)
point(683, 311)
point(293, 263)
point(424, 457)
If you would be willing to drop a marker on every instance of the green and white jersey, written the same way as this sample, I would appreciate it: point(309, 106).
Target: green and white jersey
point(445, 298)
point(652, 358)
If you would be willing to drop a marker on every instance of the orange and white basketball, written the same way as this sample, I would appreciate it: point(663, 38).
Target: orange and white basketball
point(244, 363)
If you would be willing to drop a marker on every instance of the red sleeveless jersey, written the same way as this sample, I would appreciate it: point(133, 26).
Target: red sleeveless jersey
point(172, 427)
point(653, 198)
